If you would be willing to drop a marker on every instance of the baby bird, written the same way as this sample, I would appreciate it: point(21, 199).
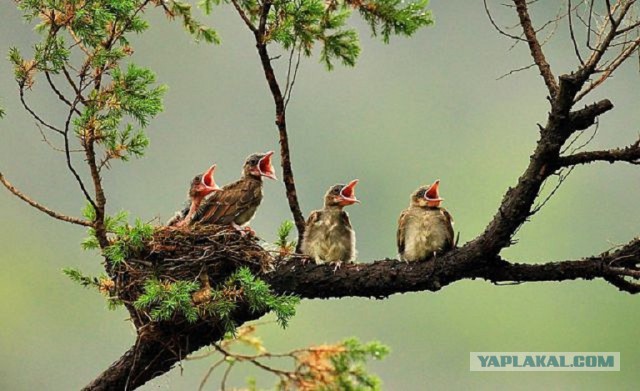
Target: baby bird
point(424, 228)
point(237, 203)
point(201, 186)
point(328, 236)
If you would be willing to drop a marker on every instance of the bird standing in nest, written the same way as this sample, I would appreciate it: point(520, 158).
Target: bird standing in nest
point(328, 236)
point(201, 186)
point(237, 203)
point(424, 229)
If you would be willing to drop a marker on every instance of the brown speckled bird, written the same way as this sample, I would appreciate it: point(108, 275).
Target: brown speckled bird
point(424, 229)
point(328, 236)
point(237, 203)
point(201, 186)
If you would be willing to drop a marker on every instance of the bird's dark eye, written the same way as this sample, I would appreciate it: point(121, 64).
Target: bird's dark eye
point(335, 190)
point(253, 161)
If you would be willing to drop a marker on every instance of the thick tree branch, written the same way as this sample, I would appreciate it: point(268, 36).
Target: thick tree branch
point(42, 208)
point(630, 154)
point(155, 352)
point(584, 118)
point(383, 278)
point(161, 345)
point(535, 48)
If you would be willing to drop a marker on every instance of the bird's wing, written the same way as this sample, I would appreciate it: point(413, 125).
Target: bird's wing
point(178, 216)
point(402, 221)
point(224, 206)
point(313, 217)
point(345, 219)
point(449, 222)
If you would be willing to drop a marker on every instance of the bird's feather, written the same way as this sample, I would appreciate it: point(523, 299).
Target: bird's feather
point(400, 236)
point(235, 200)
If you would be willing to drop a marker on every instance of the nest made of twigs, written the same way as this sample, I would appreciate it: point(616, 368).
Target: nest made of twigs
point(186, 254)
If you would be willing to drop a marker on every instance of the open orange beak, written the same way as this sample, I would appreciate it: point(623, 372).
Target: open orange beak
point(265, 167)
point(432, 194)
point(348, 193)
point(208, 182)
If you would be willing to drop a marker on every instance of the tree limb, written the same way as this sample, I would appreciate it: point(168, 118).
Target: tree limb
point(34, 114)
point(42, 208)
point(156, 350)
point(281, 121)
point(630, 154)
point(535, 48)
point(584, 118)
point(160, 346)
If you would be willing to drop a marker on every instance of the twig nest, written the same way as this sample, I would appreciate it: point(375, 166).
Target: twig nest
point(183, 254)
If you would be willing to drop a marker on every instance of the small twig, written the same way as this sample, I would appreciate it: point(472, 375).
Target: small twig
point(212, 368)
point(223, 381)
point(293, 80)
point(577, 137)
point(244, 16)
point(534, 47)
point(73, 85)
point(511, 72)
point(495, 25)
point(507, 283)
point(57, 91)
point(68, 158)
point(43, 208)
point(590, 139)
point(561, 179)
point(33, 113)
point(50, 144)
point(610, 69)
point(573, 37)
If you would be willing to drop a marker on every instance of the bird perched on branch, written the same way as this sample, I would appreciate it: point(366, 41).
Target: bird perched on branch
point(237, 203)
point(424, 229)
point(201, 186)
point(328, 236)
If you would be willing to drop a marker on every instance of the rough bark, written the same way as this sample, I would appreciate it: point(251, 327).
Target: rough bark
point(158, 348)
point(155, 352)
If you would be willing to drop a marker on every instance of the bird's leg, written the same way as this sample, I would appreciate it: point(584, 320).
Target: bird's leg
point(203, 294)
point(243, 230)
point(204, 278)
point(336, 265)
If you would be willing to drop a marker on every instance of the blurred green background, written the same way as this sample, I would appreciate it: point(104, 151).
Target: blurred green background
point(410, 112)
